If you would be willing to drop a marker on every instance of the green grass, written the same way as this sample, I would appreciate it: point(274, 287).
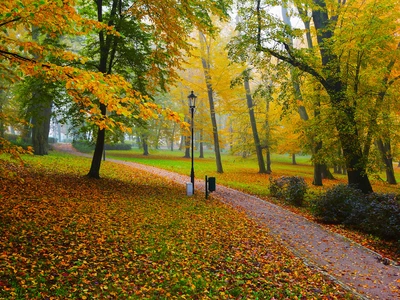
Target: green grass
point(240, 173)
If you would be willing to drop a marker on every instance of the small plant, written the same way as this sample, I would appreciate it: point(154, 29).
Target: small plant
point(290, 188)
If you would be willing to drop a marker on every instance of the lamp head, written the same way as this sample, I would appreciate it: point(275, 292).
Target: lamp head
point(192, 99)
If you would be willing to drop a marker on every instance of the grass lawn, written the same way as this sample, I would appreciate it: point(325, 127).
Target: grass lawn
point(131, 235)
point(241, 173)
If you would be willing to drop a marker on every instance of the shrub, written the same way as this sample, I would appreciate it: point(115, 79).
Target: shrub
point(87, 147)
point(383, 216)
point(290, 188)
point(83, 146)
point(375, 213)
point(52, 140)
point(119, 146)
point(338, 205)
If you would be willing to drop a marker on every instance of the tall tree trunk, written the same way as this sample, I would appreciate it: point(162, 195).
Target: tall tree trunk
point(267, 140)
point(201, 144)
point(172, 137)
point(2, 102)
point(345, 119)
point(107, 48)
point(186, 140)
point(316, 146)
point(268, 160)
point(187, 147)
point(206, 68)
point(386, 155)
point(145, 144)
point(250, 106)
point(294, 159)
point(94, 171)
point(41, 115)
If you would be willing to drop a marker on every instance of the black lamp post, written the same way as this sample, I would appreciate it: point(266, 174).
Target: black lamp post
point(192, 104)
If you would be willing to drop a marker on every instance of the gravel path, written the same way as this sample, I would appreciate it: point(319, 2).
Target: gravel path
point(354, 266)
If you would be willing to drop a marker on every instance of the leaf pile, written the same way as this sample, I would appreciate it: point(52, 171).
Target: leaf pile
point(132, 235)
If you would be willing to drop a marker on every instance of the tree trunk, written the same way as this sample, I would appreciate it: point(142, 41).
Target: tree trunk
point(94, 171)
point(385, 151)
point(268, 160)
point(2, 100)
point(145, 145)
point(250, 106)
point(345, 119)
point(41, 115)
point(267, 140)
point(317, 166)
point(173, 137)
point(294, 159)
point(105, 51)
point(299, 96)
point(187, 147)
point(201, 145)
point(326, 174)
point(206, 69)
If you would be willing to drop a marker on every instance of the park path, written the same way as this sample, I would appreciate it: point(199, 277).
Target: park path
point(353, 266)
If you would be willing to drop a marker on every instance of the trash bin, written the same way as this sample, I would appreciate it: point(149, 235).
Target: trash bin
point(189, 189)
point(212, 186)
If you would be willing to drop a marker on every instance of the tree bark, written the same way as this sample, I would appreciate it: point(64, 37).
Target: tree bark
point(145, 145)
point(268, 139)
point(201, 144)
point(345, 119)
point(268, 161)
point(385, 151)
point(106, 48)
point(41, 115)
point(316, 146)
point(294, 159)
point(256, 138)
point(206, 69)
point(94, 171)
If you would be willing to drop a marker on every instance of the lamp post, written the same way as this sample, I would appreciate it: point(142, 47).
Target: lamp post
point(192, 104)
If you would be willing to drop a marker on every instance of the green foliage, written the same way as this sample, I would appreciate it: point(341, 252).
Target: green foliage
point(87, 146)
point(290, 188)
point(83, 146)
point(118, 146)
point(17, 140)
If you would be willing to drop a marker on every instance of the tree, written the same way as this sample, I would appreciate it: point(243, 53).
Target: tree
point(269, 36)
point(99, 91)
point(160, 40)
point(205, 54)
point(250, 106)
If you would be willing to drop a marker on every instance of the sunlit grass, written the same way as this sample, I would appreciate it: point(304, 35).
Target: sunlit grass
point(240, 173)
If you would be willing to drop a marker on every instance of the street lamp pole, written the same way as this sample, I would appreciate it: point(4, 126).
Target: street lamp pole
point(192, 105)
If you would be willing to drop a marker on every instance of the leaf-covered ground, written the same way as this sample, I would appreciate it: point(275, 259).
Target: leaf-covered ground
point(135, 236)
point(241, 174)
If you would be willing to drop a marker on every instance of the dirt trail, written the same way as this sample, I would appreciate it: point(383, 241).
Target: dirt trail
point(355, 267)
